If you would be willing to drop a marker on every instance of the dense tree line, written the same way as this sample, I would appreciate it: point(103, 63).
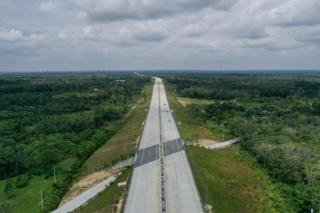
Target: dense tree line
point(231, 86)
point(45, 119)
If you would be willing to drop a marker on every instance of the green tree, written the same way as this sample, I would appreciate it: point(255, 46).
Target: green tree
point(5, 208)
point(316, 107)
point(8, 189)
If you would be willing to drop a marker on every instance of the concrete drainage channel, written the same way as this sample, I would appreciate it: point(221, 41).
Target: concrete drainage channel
point(162, 175)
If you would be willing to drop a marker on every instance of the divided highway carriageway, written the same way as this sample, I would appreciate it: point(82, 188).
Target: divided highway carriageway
point(162, 180)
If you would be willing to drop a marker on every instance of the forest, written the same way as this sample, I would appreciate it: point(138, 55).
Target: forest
point(51, 123)
point(277, 117)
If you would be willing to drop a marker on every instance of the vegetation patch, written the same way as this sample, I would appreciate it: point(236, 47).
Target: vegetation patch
point(229, 180)
point(120, 146)
point(277, 117)
point(191, 129)
point(50, 124)
point(123, 144)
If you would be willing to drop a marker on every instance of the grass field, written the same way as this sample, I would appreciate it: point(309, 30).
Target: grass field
point(228, 180)
point(217, 131)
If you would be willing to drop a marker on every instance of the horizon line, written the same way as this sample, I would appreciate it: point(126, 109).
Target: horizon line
point(159, 70)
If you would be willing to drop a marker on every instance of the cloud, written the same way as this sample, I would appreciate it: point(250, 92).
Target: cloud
point(55, 6)
point(126, 35)
point(296, 13)
point(313, 39)
point(115, 10)
point(153, 33)
point(271, 44)
point(245, 30)
point(46, 6)
point(310, 36)
point(10, 35)
point(14, 35)
point(195, 29)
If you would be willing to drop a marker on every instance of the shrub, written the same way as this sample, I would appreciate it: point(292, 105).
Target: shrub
point(8, 189)
point(22, 181)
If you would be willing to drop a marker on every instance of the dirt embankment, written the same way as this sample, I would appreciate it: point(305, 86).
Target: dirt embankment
point(86, 183)
point(212, 144)
point(184, 101)
point(204, 142)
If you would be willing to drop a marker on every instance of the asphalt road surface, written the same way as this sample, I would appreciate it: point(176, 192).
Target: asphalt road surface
point(162, 180)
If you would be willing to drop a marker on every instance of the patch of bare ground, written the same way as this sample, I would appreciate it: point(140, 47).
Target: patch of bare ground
point(120, 204)
point(203, 142)
point(184, 101)
point(88, 182)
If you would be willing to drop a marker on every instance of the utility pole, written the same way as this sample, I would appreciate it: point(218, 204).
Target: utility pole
point(54, 174)
point(41, 199)
point(206, 189)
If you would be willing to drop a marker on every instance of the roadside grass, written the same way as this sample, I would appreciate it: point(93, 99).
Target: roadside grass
point(217, 131)
point(229, 179)
point(190, 128)
point(107, 200)
point(123, 143)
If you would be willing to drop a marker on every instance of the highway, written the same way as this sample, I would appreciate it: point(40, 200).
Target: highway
point(162, 180)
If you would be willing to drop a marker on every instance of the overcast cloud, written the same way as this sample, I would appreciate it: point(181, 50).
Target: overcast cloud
point(155, 34)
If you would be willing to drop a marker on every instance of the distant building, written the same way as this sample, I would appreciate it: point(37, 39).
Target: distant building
point(121, 80)
point(138, 74)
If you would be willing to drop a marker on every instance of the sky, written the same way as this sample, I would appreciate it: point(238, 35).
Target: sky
point(40, 35)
